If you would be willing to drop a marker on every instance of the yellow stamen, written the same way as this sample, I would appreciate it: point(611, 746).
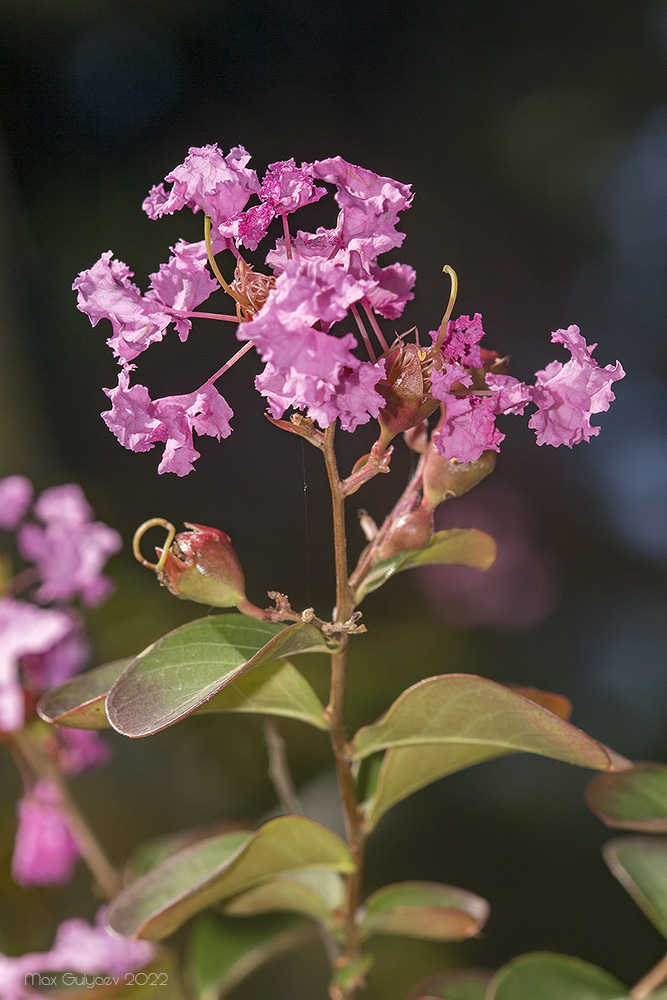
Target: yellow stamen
point(214, 267)
point(450, 306)
point(154, 522)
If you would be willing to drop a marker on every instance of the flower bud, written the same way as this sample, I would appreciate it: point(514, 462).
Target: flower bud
point(444, 479)
point(411, 531)
point(202, 566)
point(406, 391)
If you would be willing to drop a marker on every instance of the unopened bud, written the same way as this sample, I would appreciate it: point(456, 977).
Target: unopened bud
point(202, 566)
point(408, 400)
point(444, 479)
point(411, 531)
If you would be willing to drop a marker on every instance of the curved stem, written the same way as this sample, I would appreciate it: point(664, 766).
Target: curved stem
point(279, 772)
point(354, 826)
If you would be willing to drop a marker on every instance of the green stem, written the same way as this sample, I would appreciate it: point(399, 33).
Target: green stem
point(354, 825)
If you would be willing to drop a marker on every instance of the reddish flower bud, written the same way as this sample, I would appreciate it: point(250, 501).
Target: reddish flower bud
point(406, 390)
point(202, 566)
point(444, 479)
point(411, 531)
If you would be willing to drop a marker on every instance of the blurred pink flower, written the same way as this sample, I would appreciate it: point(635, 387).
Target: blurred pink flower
point(45, 852)
point(522, 586)
point(15, 499)
point(68, 548)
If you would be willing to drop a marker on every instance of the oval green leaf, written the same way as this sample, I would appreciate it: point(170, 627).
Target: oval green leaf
point(79, 703)
point(447, 723)
point(275, 688)
point(554, 977)
point(453, 547)
point(187, 667)
point(426, 910)
point(467, 710)
point(631, 800)
point(317, 894)
point(640, 865)
point(221, 867)
point(222, 951)
point(455, 984)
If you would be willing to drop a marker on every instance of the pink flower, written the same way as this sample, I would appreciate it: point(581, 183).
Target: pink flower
point(567, 395)
point(82, 750)
point(206, 181)
point(15, 499)
point(461, 341)
point(105, 291)
point(24, 630)
point(139, 422)
point(79, 948)
point(369, 206)
point(68, 548)
point(44, 851)
point(284, 189)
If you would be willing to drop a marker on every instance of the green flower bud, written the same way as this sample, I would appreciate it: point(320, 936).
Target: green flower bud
point(444, 479)
point(202, 566)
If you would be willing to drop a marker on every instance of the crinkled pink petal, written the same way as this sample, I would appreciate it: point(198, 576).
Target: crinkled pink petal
point(356, 401)
point(567, 395)
point(510, 395)
point(24, 629)
point(42, 671)
point(287, 187)
point(369, 205)
point(183, 283)
point(250, 227)
point(15, 499)
point(206, 181)
point(393, 289)
point(69, 550)
point(45, 852)
point(139, 422)
point(460, 344)
point(106, 292)
point(468, 428)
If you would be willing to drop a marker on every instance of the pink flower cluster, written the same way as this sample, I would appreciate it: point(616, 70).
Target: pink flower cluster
point(41, 647)
point(295, 315)
point(79, 947)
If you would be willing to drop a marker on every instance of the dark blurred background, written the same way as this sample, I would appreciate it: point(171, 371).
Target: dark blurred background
point(535, 136)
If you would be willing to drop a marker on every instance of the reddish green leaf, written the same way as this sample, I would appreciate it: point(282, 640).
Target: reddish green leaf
point(455, 984)
point(453, 547)
point(631, 800)
point(316, 894)
point(424, 910)
point(447, 723)
point(79, 704)
point(543, 976)
point(275, 688)
point(221, 867)
point(189, 666)
point(640, 865)
point(222, 951)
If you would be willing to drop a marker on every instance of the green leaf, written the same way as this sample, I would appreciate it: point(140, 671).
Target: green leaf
point(316, 894)
point(352, 975)
point(221, 867)
point(424, 910)
point(640, 865)
point(222, 951)
point(631, 800)
point(189, 666)
point(275, 688)
point(455, 984)
point(554, 977)
point(444, 724)
point(153, 852)
point(79, 704)
point(453, 547)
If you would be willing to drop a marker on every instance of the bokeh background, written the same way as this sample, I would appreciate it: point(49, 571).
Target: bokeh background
point(535, 135)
